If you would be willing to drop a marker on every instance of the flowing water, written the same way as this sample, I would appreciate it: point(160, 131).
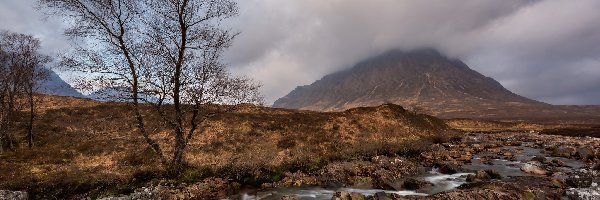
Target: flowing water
point(441, 182)
point(508, 168)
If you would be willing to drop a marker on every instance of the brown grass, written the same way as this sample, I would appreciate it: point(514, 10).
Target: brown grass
point(92, 148)
point(491, 126)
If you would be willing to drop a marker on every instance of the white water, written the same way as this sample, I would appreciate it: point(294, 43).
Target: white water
point(445, 182)
point(320, 194)
point(442, 182)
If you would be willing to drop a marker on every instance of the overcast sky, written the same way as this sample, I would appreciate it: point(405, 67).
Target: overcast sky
point(548, 50)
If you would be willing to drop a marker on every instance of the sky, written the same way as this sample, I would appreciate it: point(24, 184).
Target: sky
point(547, 50)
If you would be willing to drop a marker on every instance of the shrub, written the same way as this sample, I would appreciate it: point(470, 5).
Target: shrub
point(286, 143)
point(414, 149)
point(445, 137)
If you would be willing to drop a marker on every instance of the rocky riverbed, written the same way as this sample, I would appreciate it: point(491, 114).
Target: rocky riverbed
point(480, 166)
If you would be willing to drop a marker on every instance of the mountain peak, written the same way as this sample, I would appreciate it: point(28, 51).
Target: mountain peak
point(424, 79)
point(55, 85)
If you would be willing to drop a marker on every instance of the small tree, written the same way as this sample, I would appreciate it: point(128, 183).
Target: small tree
point(163, 52)
point(22, 71)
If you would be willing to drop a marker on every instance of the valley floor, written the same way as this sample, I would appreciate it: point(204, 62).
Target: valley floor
point(480, 166)
point(87, 149)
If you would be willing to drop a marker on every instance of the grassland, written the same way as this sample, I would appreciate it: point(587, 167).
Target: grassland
point(88, 148)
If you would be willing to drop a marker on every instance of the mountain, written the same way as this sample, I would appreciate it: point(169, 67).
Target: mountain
point(421, 80)
point(55, 85)
point(118, 94)
point(109, 94)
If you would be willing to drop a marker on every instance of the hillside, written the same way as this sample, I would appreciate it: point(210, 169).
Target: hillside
point(55, 85)
point(87, 149)
point(425, 81)
point(83, 145)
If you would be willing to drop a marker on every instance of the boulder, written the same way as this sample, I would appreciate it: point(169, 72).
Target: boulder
point(541, 159)
point(583, 193)
point(534, 167)
point(565, 152)
point(381, 196)
point(596, 167)
point(415, 184)
point(586, 153)
point(483, 175)
point(447, 168)
point(582, 179)
point(579, 182)
point(348, 196)
point(494, 150)
point(556, 163)
point(290, 197)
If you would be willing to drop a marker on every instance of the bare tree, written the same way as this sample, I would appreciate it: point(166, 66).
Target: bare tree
point(22, 71)
point(166, 53)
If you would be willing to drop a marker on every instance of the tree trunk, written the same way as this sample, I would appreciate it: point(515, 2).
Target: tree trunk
point(177, 162)
point(31, 119)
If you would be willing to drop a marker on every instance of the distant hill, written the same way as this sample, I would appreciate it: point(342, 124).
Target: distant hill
point(115, 94)
point(55, 85)
point(421, 80)
point(108, 94)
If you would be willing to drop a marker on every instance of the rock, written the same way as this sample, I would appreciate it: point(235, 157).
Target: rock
point(471, 178)
point(362, 181)
point(290, 197)
point(541, 159)
point(583, 193)
point(212, 188)
point(580, 179)
point(586, 153)
point(348, 196)
point(556, 163)
point(534, 167)
point(557, 183)
point(465, 158)
point(513, 143)
point(13, 195)
point(493, 174)
point(565, 152)
point(297, 179)
point(596, 167)
point(391, 184)
point(562, 176)
point(578, 182)
point(526, 187)
point(381, 196)
point(447, 168)
point(415, 184)
point(483, 175)
point(494, 150)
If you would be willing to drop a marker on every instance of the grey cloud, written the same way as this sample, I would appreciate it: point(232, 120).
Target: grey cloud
point(547, 50)
point(22, 17)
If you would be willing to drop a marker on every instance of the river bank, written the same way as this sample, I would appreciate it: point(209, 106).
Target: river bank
point(480, 166)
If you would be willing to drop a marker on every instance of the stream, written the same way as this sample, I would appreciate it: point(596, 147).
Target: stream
point(441, 182)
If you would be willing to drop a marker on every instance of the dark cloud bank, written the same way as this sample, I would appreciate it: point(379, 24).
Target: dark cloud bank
point(546, 50)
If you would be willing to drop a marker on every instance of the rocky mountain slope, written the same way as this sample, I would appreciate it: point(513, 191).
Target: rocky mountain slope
point(422, 80)
point(55, 85)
